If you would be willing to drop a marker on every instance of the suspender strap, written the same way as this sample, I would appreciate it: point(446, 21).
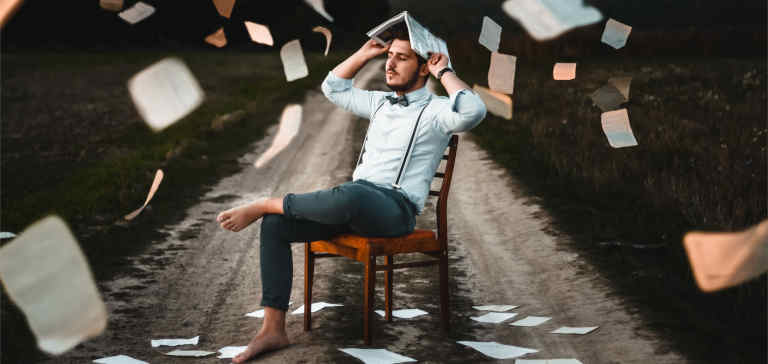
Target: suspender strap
point(362, 149)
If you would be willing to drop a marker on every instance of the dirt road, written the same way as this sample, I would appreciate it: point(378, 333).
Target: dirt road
point(202, 280)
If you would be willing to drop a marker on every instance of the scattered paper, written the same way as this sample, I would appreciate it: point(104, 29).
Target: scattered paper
point(617, 129)
point(725, 259)
point(46, 274)
point(319, 7)
point(377, 356)
point(328, 36)
point(111, 5)
point(290, 123)
point(615, 34)
point(564, 71)
point(490, 34)
point(574, 330)
point(7, 9)
point(405, 313)
point(496, 308)
point(119, 359)
point(257, 313)
point(259, 33)
point(137, 12)
point(494, 317)
point(191, 353)
point(547, 361)
point(175, 342)
point(165, 92)
point(217, 39)
point(229, 352)
point(152, 190)
point(7, 235)
point(293, 61)
point(496, 350)
point(501, 74)
point(423, 42)
point(497, 103)
point(622, 85)
point(531, 321)
point(224, 7)
point(608, 98)
point(317, 306)
point(547, 19)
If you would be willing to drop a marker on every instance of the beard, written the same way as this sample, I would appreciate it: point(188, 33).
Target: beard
point(407, 85)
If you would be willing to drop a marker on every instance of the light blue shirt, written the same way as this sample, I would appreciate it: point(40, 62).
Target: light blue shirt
point(390, 131)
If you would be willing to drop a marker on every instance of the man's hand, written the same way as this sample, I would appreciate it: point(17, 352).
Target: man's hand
point(436, 62)
point(372, 49)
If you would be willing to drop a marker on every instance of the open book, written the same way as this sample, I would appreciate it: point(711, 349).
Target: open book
point(422, 41)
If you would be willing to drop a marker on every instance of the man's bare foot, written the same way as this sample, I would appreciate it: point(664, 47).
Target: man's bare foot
point(239, 218)
point(263, 342)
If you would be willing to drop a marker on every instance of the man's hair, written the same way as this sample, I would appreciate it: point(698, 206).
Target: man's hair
point(401, 32)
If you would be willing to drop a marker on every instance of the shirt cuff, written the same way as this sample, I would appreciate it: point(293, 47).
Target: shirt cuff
point(337, 83)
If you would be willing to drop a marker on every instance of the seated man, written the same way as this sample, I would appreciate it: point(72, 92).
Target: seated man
point(408, 133)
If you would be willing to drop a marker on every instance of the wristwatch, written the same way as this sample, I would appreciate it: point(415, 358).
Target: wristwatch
point(442, 71)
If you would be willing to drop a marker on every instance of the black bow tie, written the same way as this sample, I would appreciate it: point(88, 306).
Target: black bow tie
point(398, 100)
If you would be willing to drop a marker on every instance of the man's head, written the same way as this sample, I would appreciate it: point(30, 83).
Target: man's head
point(405, 70)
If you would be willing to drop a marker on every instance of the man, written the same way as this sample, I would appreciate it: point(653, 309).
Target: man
point(390, 184)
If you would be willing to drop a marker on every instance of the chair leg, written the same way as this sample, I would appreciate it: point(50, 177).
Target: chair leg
point(309, 273)
point(368, 291)
point(389, 260)
point(445, 313)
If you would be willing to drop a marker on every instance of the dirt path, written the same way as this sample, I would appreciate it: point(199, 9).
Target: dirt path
point(202, 280)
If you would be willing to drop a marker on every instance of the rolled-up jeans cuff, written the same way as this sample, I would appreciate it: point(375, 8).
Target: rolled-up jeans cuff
point(283, 306)
point(287, 205)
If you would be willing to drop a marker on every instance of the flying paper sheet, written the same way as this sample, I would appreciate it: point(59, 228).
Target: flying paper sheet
point(190, 353)
point(564, 71)
point(547, 19)
point(615, 34)
point(152, 190)
point(119, 359)
point(377, 356)
point(111, 5)
point(622, 85)
point(501, 74)
point(7, 9)
point(293, 61)
point(317, 306)
point(497, 103)
point(165, 92)
point(422, 41)
point(175, 342)
point(290, 123)
point(617, 129)
point(137, 12)
point(497, 308)
point(259, 33)
point(224, 7)
point(547, 361)
point(496, 350)
point(494, 317)
point(405, 313)
point(328, 36)
point(531, 321)
point(217, 39)
point(319, 7)
point(7, 235)
point(608, 98)
point(574, 330)
point(229, 352)
point(490, 34)
point(46, 274)
point(720, 259)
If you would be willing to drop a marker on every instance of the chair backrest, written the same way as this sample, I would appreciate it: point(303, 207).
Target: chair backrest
point(442, 194)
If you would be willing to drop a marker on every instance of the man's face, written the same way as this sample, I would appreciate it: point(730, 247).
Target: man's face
point(402, 68)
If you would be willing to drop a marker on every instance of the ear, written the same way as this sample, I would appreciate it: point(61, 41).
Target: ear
point(423, 70)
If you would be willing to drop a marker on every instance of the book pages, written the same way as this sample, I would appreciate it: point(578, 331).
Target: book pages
point(224, 7)
point(319, 7)
point(608, 98)
point(137, 13)
point(547, 19)
point(497, 103)
point(422, 41)
point(217, 39)
point(564, 71)
point(259, 33)
point(490, 34)
point(615, 34)
point(293, 61)
point(111, 5)
point(155, 185)
point(622, 85)
point(617, 129)
point(328, 36)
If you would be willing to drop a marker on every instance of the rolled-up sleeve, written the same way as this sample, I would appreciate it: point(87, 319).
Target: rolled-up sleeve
point(341, 92)
point(464, 111)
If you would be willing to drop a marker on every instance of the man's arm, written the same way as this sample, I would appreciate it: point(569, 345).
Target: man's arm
point(467, 110)
point(349, 68)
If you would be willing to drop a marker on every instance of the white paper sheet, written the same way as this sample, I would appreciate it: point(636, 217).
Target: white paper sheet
point(497, 103)
point(256, 314)
point(119, 359)
point(217, 39)
point(7, 235)
point(531, 321)
point(46, 274)
point(319, 7)
point(547, 361)
point(317, 306)
point(224, 7)
point(377, 356)
point(290, 124)
point(490, 34)
point(575, 330)
point(190, 353)
point(293, 61)
point(608, 98)
point(617, 129)
point(615, 34)
point(404, 313)
point(501, 73)
point(423, 42)
point(494, 317)
point(175, 342)
point(547, 19)
point(229, 352)
point(259, 33)
point(622, 85)
point(496, 308)
point(165, 92)
point(564, 71)
point(111, 5)
point(496, 350)
point(328, 36)
point(152, 190)
point(137, 12)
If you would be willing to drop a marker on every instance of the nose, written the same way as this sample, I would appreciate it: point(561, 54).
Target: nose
point(390, 65)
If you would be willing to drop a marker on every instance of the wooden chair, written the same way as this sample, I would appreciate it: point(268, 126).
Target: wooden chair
point(365, 250)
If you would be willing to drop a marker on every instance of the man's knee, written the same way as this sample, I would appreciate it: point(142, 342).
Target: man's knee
point(272, 225)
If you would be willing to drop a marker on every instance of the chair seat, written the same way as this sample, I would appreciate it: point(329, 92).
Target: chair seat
point(354, 246)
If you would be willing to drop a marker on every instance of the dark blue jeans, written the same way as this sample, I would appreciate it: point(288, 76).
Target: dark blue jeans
point(358, 207)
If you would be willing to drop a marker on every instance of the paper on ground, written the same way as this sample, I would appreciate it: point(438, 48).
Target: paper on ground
point(497, 308)
point(290, 123)
point(111, 5)
point(328, 36)
point(724, 259)
point(547, 361)
point(501, 74)
point(531, 321)
point(46, 274)
point(152, 190)
point(224, 7)
point(259, 33)
point(175, 342)
point(293, 61)
point(165, 92)
point(615, 34)
point(191, 353)
point(564, 71)
point(137, 12)
point(622, 85)
point(405, 313)
point(494, 317)
point(319, 7)
point(608, 98)
point(7, 235)
point(317, 306)
point(119, 359)
point(574, 330)
point(423, 42)
point(229, 352)
point(617, 129)
point(257, 313)
point(547, 19)
point(490, 34)
point(496, 350)
point(377, 356)
point(217, 39)
point(497, 103)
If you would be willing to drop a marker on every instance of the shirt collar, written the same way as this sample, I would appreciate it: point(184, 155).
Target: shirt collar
point(416, 96)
